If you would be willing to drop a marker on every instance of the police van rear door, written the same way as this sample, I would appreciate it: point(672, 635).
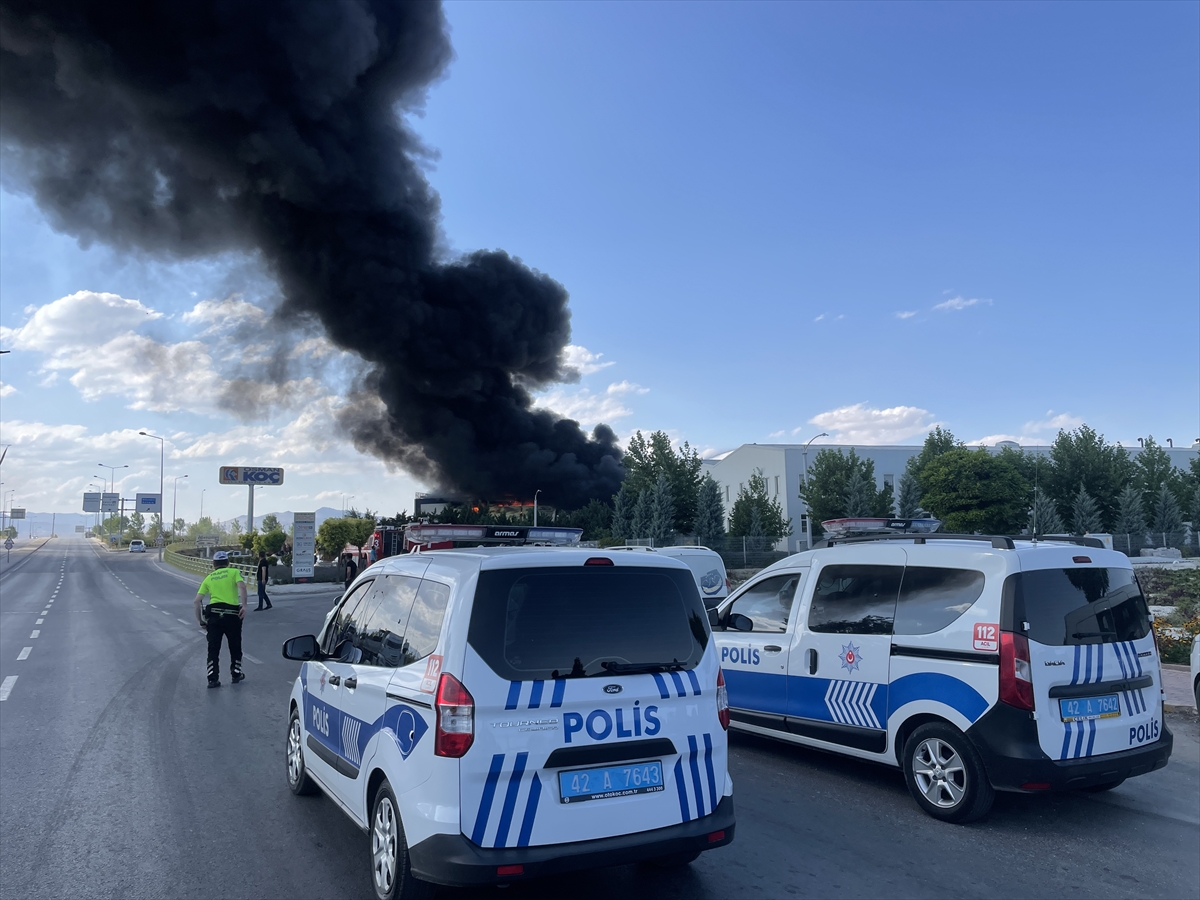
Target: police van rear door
point(1094, 667)
point(595, 703)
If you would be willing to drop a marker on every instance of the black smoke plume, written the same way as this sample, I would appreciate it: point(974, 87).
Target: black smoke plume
point(188, 128)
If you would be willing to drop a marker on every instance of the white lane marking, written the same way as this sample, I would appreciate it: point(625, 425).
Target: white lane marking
point(252, 659)
point(152, 606)
point(24, 654)
point(164, 612)
point(39, 621)
point(184, 621)
point(36, 632)
point(46, 611)
point(6, 686)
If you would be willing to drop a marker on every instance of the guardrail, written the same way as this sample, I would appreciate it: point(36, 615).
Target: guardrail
point(198, 565)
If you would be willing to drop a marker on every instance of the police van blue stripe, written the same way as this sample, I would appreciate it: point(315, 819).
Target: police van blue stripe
point(531, 805)
point(683, 800)
point(1075, 674)
point(691, 674)
point(514, 695)
point(485, 802)
point(1087, 666)
point(678, 684)
point(1133, 652)
point(1066, 745)
point(560, 687)
point(1079, 740)
point(708, 767)
point(510, 800)
point(692, 764)
point(535, 696)
point(1100, 663)
point(1091, 736)
point(663, 693)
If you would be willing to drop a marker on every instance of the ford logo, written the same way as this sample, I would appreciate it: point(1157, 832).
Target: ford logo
point(612, 689)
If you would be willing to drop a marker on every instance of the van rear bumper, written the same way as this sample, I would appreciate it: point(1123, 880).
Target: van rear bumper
point(452, 860)
point(1007, 740)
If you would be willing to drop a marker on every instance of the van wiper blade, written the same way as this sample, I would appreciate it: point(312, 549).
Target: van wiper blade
point(618, 668)
point(1087, 634)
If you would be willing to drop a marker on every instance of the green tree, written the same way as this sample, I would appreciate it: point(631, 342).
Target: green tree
point(710, 516)
point(335, 533)
point(937, 442)
point(594, 519)
point(1153, 470)
point(1083, 456)
point(639, 526)
point(137, 527)
point(247, 539)
point(662, 510)
point(178, 529)
point(270, 523)
point(10, 531)
point(973, 491)
point(646, 459)
point(1043, 515)
point(270, 542)
point(622, 515)
point(830, 479)
point(235, 530)
point(860, 495)
point(753, 497)
point(1167, 516)
point(1085, 516)
point(910, 495)
point(1131, 514)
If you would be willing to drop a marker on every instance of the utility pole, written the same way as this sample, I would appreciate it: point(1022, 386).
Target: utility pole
point(535, 496)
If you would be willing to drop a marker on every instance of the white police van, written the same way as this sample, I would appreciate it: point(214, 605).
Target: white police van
point(496, 714)
point(973, 663)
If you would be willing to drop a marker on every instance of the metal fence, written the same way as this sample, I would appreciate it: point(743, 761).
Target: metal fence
point(735, 552)
point(198, 565)
point(1134, 544)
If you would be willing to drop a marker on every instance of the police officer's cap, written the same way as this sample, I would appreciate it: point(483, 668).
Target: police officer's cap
point(220, 555)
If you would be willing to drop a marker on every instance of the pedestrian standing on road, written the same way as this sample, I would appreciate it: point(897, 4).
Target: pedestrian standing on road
point(263, 574)
point(351, 568)
point(226, 593)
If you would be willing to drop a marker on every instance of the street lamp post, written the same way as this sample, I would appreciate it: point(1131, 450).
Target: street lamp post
point(344, 504)
point(175, 503)
point(162, 452)
point(535, 496)
point(807, 507)
point(202, 503)
point(112, 487)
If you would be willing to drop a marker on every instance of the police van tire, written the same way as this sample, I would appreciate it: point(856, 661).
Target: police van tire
point(945, 774)
point(297, 775)
point(391, 873)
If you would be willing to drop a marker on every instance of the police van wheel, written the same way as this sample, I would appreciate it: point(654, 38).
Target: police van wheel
point(390, 872)
point(297, 777)
point(945, 775)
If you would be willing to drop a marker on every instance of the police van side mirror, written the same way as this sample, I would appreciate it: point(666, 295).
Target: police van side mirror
point(714, 619)
point(301, 648)
point(739, 622)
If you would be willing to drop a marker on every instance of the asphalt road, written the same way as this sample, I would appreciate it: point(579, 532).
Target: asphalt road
point(121, 775)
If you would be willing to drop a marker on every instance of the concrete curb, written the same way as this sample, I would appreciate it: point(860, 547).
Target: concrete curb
point(1174, 709)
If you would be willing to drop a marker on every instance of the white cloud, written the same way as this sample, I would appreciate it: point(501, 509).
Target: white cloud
point(775, 434)
point(956, 303)
point(6, 389)
point(1055, 423)
point(590, 409)
point(76, 321)
point(222, 315)
point(861, 424)
point(1037, 432)
point(583, 360)
point(625, 387)
point(906, 313)
point(819, 318)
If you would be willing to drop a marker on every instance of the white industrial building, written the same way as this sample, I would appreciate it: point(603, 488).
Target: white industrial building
point(783, 467)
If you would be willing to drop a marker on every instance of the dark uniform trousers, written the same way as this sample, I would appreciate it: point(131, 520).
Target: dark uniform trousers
point(223, 623)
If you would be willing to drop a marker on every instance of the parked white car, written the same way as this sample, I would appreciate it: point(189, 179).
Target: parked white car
point(137, 546)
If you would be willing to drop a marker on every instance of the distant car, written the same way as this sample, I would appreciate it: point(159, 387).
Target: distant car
point(1196, 669)
point(708, 568)
point(137, 546)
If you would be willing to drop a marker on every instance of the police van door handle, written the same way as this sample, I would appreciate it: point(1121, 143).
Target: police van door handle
point(812, 661)
point(351, 682)
point(772, 648)
point(335, 679)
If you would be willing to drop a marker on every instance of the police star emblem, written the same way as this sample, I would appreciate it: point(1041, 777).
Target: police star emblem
point(849, 657)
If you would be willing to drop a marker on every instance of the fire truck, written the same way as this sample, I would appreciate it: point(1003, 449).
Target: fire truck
point(390, 540)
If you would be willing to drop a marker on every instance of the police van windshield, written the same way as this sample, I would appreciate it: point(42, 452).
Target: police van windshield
point(576, 622)
point(1081, 606)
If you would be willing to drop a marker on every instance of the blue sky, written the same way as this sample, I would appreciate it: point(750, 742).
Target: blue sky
point(773, 220)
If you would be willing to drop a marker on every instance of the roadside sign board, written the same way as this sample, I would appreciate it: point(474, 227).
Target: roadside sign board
point(79, 529)
point(110, 502)
point(256, 475)
point(16, 513)
point(91, 503)
point(149, 503)
point(208, 540)
point(158, 541)
point(8, 543)
point(304, 544)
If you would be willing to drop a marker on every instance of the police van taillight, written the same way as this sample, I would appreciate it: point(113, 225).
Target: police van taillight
point(722, 700)
point(1016, 673)
point(454, 727)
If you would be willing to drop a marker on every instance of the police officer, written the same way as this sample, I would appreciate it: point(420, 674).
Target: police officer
point(226, 592)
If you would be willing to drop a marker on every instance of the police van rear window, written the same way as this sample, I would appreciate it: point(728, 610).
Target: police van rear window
point(1081, 606)
point(566, 622)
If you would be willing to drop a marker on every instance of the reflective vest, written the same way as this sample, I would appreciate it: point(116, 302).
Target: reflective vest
point(221, 585)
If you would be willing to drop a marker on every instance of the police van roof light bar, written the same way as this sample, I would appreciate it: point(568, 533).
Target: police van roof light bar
point(998, 542)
